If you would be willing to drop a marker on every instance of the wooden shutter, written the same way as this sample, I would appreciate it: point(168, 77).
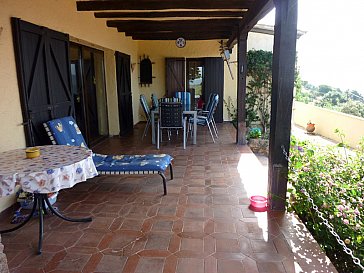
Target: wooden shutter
point(123, 79)
point(214, 83)
point(43, 76)
point(175, 75)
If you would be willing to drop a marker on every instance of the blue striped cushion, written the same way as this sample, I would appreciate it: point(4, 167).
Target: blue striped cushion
point(132, 163)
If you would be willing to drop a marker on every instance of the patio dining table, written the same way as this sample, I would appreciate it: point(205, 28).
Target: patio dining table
point(185, 112)
point(58, 167)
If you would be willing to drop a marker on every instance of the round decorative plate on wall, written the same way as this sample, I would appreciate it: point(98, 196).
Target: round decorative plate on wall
point(180, 42)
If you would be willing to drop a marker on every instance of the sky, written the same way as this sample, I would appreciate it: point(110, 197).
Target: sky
point(332, 50)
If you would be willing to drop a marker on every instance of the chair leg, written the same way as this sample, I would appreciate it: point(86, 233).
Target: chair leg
point(171, 170)
point(215, 130)
point(146, 128)
point(215, 127)
point(184, 134)
point(164, 182)
point(208, 125)
point(158, 135)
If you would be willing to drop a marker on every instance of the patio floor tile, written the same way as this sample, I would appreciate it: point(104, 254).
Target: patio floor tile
point(203, 225)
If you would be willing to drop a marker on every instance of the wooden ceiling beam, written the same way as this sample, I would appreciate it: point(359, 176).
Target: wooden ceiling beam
point(157, 14)
point(216, 35)
point(182, 28)
point(257, 12)
point(171, 24)
point(94, 5)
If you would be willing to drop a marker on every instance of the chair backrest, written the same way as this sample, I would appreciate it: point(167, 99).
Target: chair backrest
point(154, 102)
point(214, 103)
point(64, 131)
point(171, 115)
point(145, 106)
point(208, 104)
point(185, 98)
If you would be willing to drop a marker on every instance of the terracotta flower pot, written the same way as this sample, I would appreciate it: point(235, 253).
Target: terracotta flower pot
point(310, 127)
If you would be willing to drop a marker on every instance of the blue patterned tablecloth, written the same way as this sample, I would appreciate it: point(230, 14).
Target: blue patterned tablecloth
point(58, 167)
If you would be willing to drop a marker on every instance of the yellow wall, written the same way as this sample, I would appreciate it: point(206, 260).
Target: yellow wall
point(81, 26)
point(327, 121)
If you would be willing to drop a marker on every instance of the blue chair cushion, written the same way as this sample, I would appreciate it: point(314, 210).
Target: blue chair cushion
point(66, 132)
point(185, 97)
point(201, 120)
point(132, 163)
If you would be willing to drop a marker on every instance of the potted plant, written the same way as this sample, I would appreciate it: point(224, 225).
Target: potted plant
point(310, 127)
point(258, 142)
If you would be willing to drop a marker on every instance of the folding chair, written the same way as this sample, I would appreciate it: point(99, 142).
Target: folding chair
point(146, 109)
point(207, 120)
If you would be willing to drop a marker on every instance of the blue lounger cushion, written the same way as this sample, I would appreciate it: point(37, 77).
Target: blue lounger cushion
point(64, 131)
point(132, 163)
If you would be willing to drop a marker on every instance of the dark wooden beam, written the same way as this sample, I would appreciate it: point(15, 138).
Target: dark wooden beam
point(162, 4)
point(241, 87)
point(257, 12)
point(175, 25)
point(184, 29)
point(158, 14)
point(215, 35)
point(284, 57)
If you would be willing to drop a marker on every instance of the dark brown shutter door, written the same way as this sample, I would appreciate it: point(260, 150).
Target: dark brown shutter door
point(175, 75)
point(123, 79)
point(214, 83)
point(43, 77)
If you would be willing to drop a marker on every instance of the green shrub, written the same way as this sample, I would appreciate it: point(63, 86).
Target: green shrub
point(255, 133)
point(335, 182)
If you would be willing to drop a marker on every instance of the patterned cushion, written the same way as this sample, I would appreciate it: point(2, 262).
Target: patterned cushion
point(66, 132)
point(132, 163)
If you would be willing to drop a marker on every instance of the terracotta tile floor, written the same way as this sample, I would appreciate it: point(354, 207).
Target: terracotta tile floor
point(202, 225)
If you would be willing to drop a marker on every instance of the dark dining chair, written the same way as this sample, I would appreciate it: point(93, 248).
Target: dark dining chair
point(171, 118)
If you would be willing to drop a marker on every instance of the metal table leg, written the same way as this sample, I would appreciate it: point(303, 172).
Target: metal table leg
point(40, 199)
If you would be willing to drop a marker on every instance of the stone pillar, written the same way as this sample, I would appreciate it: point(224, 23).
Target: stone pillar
point(3, 262)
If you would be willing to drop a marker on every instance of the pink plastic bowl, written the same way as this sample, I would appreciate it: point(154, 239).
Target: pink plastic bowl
point(258, 202)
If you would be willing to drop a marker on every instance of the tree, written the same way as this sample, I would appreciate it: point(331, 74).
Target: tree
point(333, 98)
point(354, 108)
point(324, 89)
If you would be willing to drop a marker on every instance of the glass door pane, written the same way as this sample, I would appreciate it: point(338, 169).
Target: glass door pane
point(195, 78)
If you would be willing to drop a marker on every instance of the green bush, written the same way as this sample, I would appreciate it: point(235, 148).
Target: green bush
point(335, 182)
